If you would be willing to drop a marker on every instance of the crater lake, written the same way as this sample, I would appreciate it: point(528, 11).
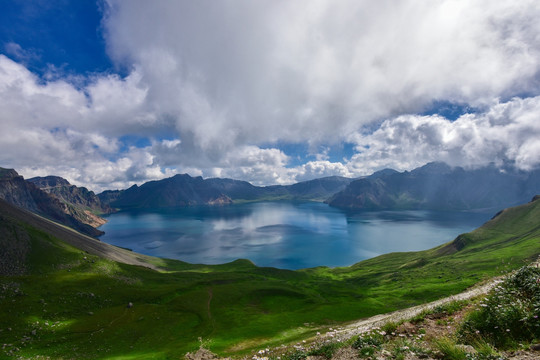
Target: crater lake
point(287, 235)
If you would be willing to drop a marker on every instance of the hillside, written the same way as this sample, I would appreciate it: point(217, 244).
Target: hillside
point(78, 202)
point(437, 186)
point(63, 301)
point(179, 190)
point(17, 191)
point(184, 190)
point(17, 242)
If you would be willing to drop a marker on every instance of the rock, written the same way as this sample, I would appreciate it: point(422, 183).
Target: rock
point(535, 347)
point(467, 348)
point(406, 328)
point(201, 354)
point(344, 353)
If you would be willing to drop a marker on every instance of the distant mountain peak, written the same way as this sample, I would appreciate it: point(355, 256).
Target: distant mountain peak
point(49, 181)
point(435, 167)
point(438, 186)
point(383, 172)
point(6, 174)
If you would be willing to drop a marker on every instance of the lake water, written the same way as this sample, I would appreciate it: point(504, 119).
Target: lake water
point(288, 235)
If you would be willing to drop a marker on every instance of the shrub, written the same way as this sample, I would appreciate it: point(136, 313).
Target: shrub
point(509, 314)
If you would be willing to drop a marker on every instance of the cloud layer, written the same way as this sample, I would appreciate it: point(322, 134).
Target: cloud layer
point(216, 87)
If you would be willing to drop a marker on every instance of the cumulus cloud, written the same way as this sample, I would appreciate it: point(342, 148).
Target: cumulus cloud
point(214, 88)
point(55, 128)
point(506, 134)
point(315, 71)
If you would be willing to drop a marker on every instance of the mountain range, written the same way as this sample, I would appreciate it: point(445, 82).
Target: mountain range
point(437, 186)
point(434, 186)
point(184, 190)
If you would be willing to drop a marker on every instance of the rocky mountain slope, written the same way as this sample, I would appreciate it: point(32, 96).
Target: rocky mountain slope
point(184, 190)
point(78, 202)
point(437, 186)
point(18, 244)
point(179, 190)
point(17, 191)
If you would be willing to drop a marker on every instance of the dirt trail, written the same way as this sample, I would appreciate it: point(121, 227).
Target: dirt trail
point(366, 325)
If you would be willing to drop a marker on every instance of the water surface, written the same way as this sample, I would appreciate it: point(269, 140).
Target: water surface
point(289, 235)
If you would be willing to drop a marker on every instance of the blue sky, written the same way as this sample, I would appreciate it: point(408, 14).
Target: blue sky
point(112, 93)
point(60, 33)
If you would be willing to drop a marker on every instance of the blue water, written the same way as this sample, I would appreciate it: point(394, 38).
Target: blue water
point(288, 235)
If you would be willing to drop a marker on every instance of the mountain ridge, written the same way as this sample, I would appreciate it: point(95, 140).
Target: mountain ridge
point(185, 190)
point(79, 202)
point(438, 186)
point(16, 190)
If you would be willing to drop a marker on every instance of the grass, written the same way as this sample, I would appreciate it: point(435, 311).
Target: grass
point(488, 332)
point(449, 308)
point(450, 349)
point(72, 304)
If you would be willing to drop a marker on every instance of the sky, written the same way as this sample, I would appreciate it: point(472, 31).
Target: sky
point(110, 93)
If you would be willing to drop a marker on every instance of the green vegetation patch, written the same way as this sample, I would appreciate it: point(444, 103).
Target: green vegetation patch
point(509, 314)
point(72, 304)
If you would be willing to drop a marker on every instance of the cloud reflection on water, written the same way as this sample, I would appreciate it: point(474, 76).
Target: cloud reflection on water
point(282, 234)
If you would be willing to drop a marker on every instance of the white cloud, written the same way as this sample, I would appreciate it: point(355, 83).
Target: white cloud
point(318, 169)
point(508, 133)
point(315, 71)
point(225, 84)
point(53, 128)
point(19, 53)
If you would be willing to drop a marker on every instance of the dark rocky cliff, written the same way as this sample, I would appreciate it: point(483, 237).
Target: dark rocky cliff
point(17, 191)
point(78, 202)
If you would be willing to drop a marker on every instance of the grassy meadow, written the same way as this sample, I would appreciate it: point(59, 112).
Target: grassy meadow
point(71, 304)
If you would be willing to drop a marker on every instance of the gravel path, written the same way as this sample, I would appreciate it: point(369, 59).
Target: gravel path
point(366, 325)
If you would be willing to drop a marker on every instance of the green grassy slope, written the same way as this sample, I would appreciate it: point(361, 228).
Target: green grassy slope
point(71, 304)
